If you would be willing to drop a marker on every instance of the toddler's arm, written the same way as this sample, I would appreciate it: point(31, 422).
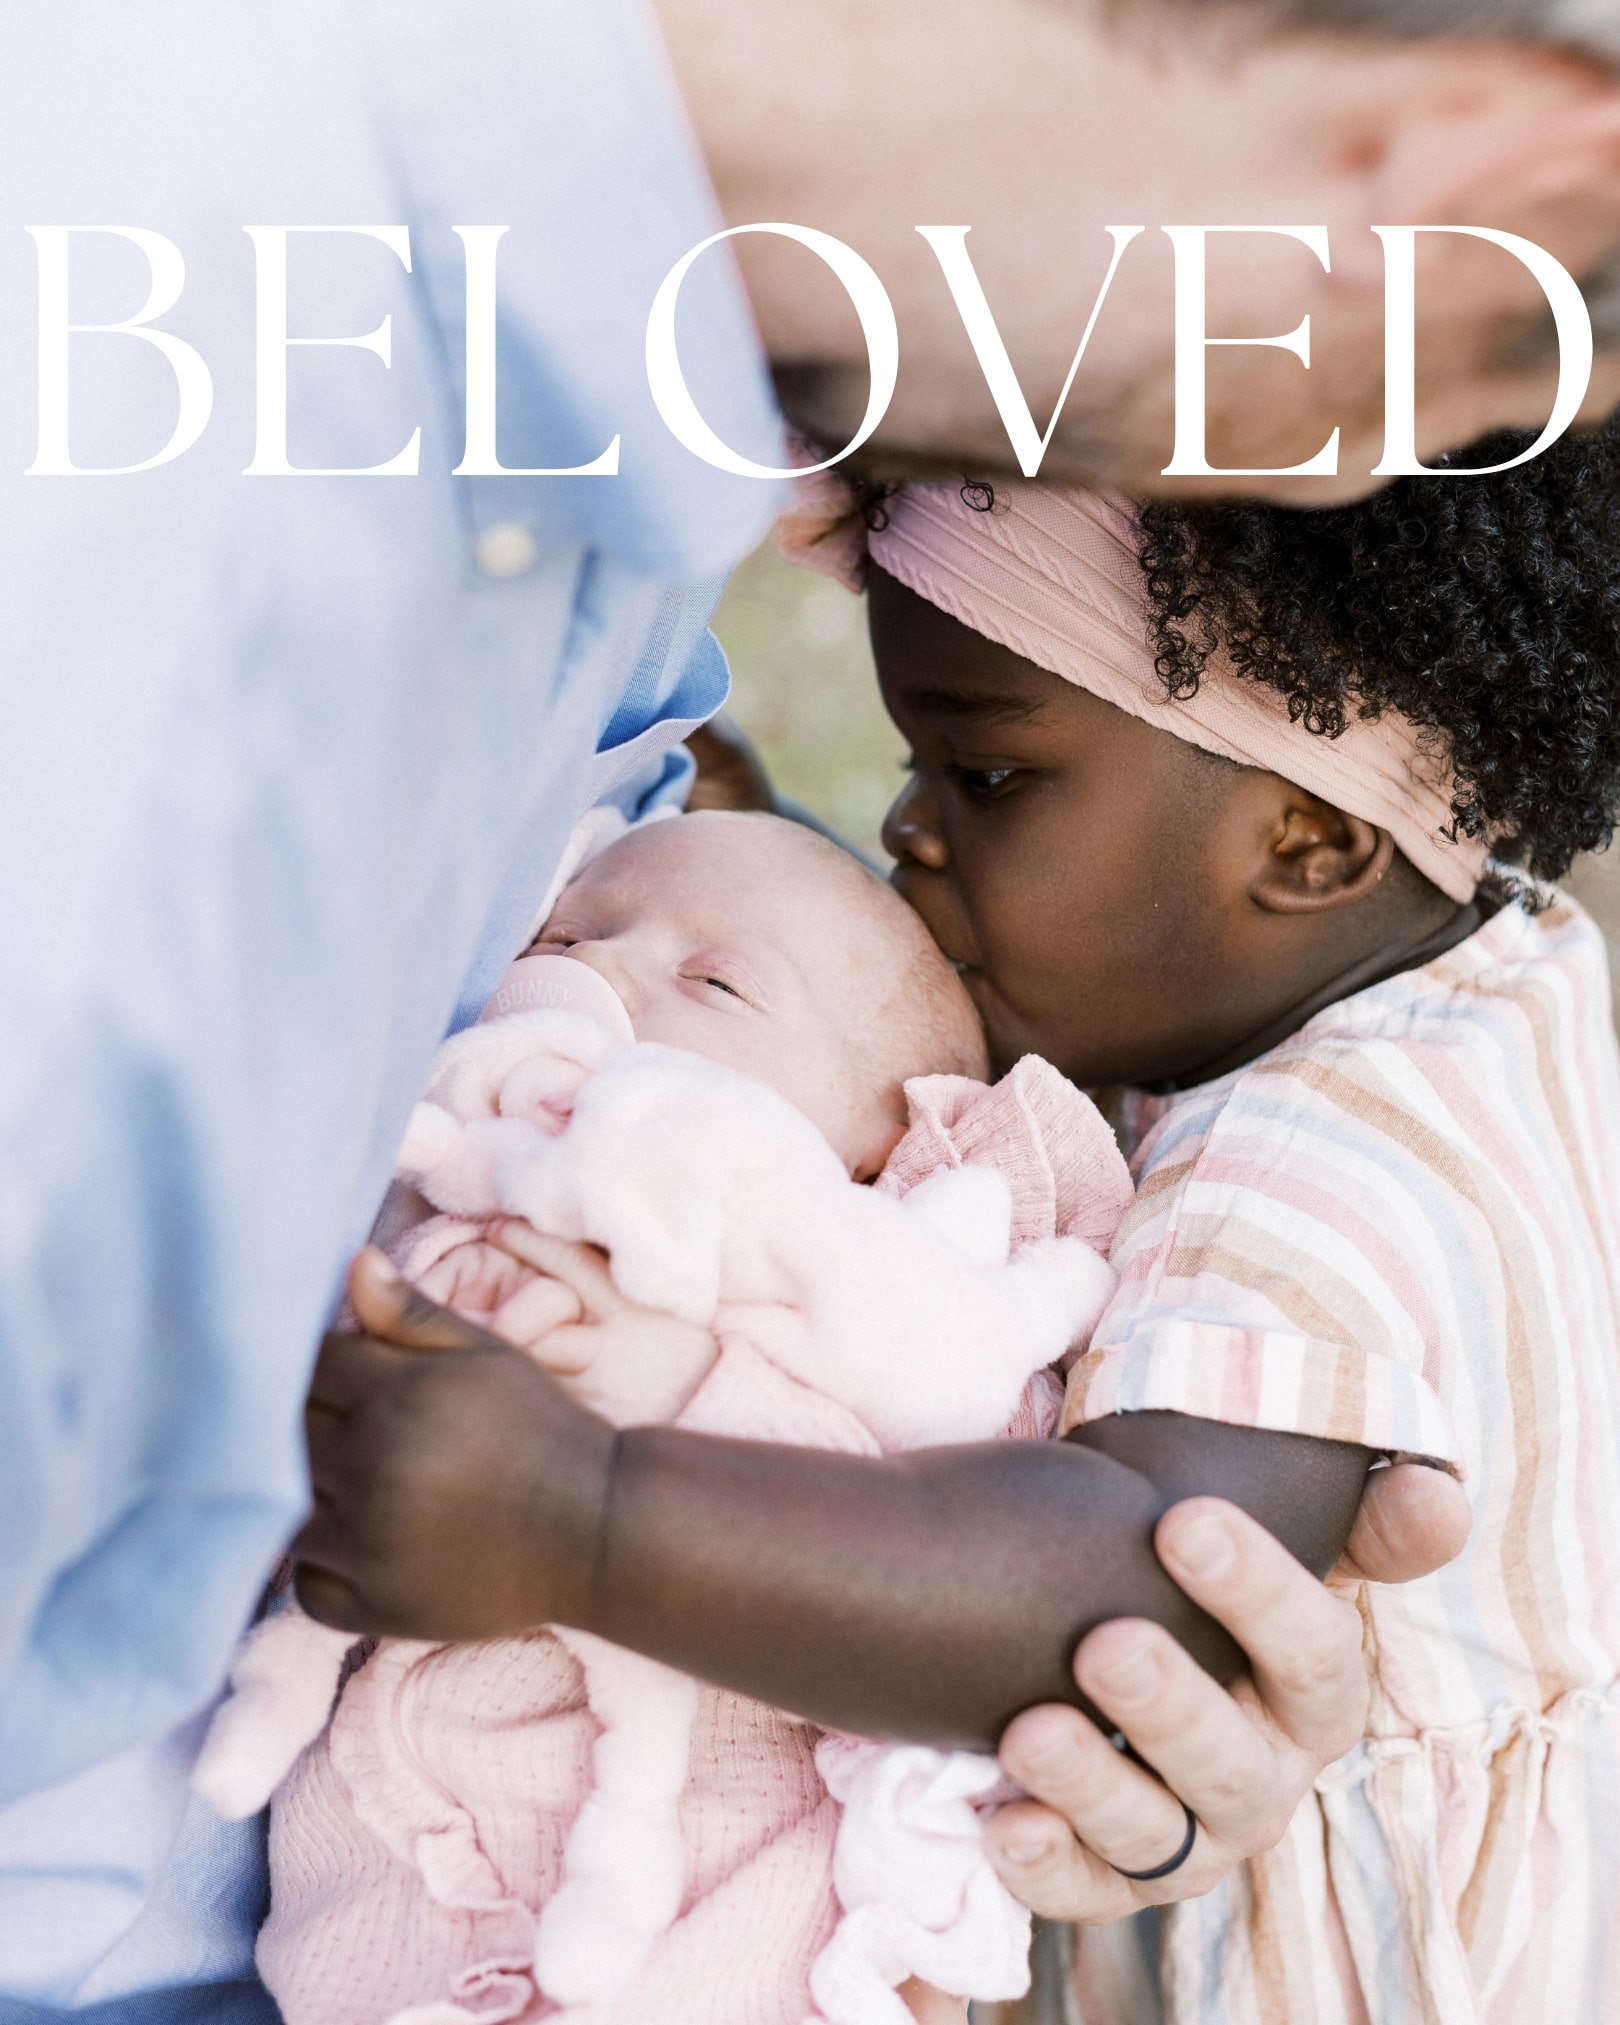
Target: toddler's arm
point(936, 1594)
point(931, 1595)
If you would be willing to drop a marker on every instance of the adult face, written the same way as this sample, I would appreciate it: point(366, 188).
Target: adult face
point(1041, 122)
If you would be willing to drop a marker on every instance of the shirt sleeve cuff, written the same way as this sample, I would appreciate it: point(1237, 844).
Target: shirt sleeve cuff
point(1265, 1378)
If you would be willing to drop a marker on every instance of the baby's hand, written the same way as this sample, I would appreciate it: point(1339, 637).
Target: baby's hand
point(489, 1286)
point(634, 1366)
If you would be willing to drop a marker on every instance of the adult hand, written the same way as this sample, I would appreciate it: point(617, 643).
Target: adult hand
point(439, 1455)
point(1242, 1761)
point(730, 772)
point(1413, 1519)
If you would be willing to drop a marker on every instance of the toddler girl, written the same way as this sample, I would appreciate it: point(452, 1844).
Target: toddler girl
point(1255, 761)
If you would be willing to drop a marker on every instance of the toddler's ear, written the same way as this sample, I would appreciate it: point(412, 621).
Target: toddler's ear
point(1317, 857)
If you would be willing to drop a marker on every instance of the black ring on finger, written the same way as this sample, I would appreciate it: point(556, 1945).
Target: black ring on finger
point(1176, 1861)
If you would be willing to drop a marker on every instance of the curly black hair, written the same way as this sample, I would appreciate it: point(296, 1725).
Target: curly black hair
point(1485, 609)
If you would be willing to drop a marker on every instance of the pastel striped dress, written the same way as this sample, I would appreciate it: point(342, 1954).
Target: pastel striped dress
point(1402, 1228)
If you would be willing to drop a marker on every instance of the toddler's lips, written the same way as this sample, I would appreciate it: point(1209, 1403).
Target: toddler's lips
point(562, 984)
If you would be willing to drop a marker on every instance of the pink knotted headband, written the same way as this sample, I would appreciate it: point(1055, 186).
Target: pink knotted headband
point(1056, 577)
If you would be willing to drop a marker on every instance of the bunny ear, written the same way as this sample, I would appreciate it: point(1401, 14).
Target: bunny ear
point(542, 1090)
point(429, 1139)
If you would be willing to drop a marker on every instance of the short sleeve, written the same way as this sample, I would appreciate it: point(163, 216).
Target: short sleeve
point(1276, 1271)
point(1263, 1378)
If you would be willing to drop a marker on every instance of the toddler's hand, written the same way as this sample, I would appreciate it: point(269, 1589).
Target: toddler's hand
point(634, 1366)
point(459, 1493)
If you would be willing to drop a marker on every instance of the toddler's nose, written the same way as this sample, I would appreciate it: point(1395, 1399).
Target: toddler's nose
point(909, 830)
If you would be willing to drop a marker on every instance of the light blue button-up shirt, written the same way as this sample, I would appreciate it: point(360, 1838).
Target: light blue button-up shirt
point(283, 774)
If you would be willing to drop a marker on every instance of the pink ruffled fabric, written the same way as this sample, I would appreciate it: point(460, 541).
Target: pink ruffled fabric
point(1052, 1147)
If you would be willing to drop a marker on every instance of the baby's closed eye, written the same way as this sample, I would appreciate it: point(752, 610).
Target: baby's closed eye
point(719, 983)
point(719, 975)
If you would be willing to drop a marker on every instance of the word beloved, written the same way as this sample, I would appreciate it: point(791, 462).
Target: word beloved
point(668, 384)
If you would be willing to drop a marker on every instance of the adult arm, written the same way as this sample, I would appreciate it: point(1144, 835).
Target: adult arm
point(461, 1494)
point(1241, 1760)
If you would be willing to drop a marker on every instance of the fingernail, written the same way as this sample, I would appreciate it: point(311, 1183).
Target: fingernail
point(1202, 1546)
point(1132, 1677)
point(1023, 1846)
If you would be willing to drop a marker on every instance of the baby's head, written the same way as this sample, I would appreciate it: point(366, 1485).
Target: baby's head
point(763, 946)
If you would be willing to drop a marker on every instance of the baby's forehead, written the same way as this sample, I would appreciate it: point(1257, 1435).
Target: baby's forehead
point(754, 875)
point(682, 858)
point(714, 851)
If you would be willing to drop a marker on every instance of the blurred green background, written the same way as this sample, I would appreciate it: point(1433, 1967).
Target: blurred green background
point(805, 693)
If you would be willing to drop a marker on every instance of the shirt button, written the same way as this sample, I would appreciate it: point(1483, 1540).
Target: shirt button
point(507, 549)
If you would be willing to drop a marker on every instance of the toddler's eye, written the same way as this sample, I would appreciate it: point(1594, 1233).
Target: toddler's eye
point(983, 783)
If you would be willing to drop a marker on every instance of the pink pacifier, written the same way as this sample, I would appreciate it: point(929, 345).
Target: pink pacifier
point(559, 984)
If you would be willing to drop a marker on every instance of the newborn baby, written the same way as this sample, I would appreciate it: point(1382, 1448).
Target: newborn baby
point(726, 1027)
